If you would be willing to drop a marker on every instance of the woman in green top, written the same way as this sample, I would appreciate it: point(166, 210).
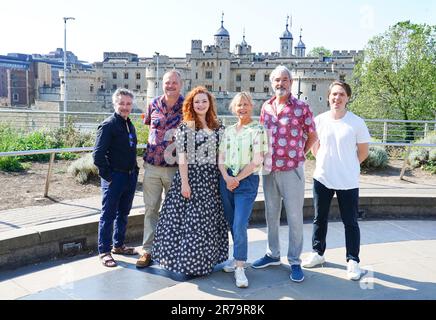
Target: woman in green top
point(240, 155)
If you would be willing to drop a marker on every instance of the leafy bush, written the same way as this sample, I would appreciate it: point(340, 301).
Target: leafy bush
point(424, 157)
point(83, 168)
point(142, 134)
point(11, 164)
point(377, 158)
point(12, 139)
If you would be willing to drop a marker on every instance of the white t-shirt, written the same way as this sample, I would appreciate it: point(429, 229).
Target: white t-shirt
point(337, 164)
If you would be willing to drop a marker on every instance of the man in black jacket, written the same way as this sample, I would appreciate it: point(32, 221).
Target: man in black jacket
point(115, 156)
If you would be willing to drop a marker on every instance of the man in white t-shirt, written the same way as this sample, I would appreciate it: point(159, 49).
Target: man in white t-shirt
point(342, 146)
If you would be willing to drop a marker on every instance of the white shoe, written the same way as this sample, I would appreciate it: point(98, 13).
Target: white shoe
point(353, 270)
point(230, 266)
point(241, 279)
point(313, 260)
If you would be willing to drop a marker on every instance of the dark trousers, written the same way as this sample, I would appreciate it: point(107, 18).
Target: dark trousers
point(348, 201)
point(117, 198)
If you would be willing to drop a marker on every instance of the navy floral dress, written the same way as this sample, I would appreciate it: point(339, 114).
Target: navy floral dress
point(192, 234)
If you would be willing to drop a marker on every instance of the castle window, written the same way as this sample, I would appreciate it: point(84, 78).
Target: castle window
point(114, 75)
point(266, 89)
point(126, 75)
point(91, 88)
point(126, 86)
point(196, 75)
point(320, 99)
point(208, 74)
point(313, 87)
point(138, 87)
point(220, 75)
point(15, 97)
point(251, 89)
point(238, 89)
point(266, 77)
point(138, 76)
point(252, 77)
point(342, 77)
point(219, 89)
point(114, 87)
point(209, 87)
point(238, 77)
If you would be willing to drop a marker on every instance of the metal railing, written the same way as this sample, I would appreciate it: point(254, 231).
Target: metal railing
point(384, 130)
point(52, 153)
point(396, 133)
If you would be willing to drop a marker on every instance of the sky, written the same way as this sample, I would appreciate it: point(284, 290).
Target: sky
point(168, 26)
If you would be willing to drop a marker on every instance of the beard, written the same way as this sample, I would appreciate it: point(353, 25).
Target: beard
point(281, 92)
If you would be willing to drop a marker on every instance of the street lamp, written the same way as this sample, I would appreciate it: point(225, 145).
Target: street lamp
point(157, 72)
point(65, 64)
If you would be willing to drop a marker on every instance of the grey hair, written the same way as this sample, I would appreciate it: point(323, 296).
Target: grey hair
point(279, 69)
point(238, 97)
point(122, 92)
point(173, 71)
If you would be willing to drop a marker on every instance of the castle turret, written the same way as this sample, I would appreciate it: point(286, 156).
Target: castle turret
point(222, 37)
point(286, 42)
point(300, 49)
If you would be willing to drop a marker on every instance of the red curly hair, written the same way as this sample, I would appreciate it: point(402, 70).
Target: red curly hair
point(189, 113)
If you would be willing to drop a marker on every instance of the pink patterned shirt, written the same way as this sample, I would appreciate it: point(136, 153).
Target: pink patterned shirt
point(287, 132)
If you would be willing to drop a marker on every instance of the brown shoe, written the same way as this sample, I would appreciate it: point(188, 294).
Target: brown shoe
point(144, 260)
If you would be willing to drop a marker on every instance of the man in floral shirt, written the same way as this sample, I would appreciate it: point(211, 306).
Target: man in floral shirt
point(163, 116)
point(291, 131)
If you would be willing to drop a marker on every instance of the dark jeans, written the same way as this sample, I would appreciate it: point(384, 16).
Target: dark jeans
point(348, 201)
point(238, 206)
point(117, 198)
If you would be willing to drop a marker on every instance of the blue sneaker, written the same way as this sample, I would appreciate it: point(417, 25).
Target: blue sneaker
point(265, 262)
point(297, 274)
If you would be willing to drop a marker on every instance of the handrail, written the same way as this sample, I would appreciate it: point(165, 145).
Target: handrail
point(52, 153)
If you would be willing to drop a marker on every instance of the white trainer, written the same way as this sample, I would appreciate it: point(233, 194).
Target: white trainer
point(313, 260)
point(353, 270)
point(230, 266)
point(241, 279)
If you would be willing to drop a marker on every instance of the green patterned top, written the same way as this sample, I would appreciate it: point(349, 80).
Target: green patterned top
point(240, 147)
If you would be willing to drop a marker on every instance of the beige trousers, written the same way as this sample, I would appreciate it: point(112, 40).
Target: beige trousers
point(156, 179)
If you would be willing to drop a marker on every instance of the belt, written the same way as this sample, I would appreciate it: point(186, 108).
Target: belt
point(125, 171)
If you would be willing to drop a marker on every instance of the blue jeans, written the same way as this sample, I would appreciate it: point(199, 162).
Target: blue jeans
point(348, 201)
point(237, 211)
point(117, 198)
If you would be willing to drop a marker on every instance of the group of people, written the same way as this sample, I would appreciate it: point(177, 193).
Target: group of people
point(210, 177)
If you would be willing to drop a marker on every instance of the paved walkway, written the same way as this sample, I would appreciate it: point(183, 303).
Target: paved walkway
point(398, 256)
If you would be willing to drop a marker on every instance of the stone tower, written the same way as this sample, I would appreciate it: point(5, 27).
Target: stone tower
point(286, 42)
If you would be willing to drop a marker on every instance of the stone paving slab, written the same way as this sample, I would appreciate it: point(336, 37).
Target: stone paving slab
point(399, 265)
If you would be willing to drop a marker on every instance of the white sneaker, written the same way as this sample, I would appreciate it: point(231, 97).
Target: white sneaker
point(241, 279)
point(353, 270)
point(313, 260)
point(230, 266)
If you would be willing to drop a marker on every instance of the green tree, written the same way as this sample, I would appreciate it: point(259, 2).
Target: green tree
point(317, 50)
point(396, 79)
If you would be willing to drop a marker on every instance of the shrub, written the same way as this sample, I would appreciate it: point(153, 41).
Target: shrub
point(11, 164)
point(377, 158)
point(142, 134)
point(83, 168)
point(424, 157)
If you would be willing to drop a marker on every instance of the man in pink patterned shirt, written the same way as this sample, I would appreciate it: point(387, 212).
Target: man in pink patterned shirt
point(291, 131)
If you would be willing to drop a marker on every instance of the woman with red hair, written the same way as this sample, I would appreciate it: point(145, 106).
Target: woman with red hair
point(192, 233)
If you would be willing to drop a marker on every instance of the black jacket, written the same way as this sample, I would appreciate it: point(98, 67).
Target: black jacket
point(114, 150)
